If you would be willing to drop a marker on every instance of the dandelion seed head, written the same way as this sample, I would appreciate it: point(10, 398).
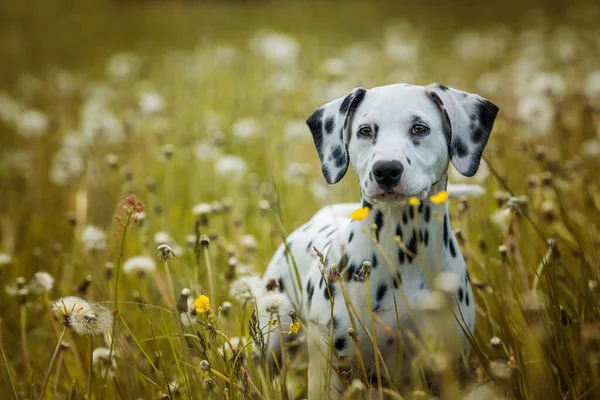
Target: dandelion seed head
point(245, 129)
point(32, 124)
point(104, 361)
point(151, 102)
point(94, 239)
point(42, 282)
point(230, 166)
point(277, 48)
point(141, 265)
point(123, 66)
point(202, 209)
point(5, 259)
point(67, 165)
point(248, 242)
point(94, 321)
point(247, 287)
point(447, 283)
point(162, 237)
point(272, 302)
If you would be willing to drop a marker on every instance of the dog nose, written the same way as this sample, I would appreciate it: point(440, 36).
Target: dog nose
point(387, 173)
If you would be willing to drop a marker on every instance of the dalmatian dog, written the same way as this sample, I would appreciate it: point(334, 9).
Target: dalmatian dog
point(400, 140)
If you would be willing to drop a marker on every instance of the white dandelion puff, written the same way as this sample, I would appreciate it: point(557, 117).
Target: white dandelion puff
point(591, 87)
point(151, 102)
point(245, 128)
point(272, 303)
point(99, 124)
point(296, 130)
point(5, 259)
point(163, 237)
point(231, 166)
point(42, 282)
point(537, 113)
point(591, 148)
point(32, 124)
point(247, 288)
point(104, 361)
point(248, 242)
point(95, 321)
point(202, 209)
point(140, 265)
point(277, 48)
point(67, 166)
point(501, 219)
point(123, 66)
point(93, 238)
point(296, 173)
point(206, 150)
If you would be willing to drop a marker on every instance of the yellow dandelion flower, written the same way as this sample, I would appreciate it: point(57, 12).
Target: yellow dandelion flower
point(295, 327)
point(202, 304)
point(439, 198)
point(359, 214)
point(413, 201)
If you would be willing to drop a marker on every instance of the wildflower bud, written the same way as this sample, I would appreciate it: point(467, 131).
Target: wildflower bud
point(182, 303)
point(365, 270)
point(272, 284)
point(482, 245)
point(209, 386)
point(204, 241)
point(72, 220)
point(65, 346)
point(227, 204)
point(165, 253)
point(127, 173)
point(216, 207)
point(150, 184)
point(459, 236)
point(503, 249)
point(204, 365)
point(549, 211)
point(554, 248)
point(532, 182)
point(84, 286)
point(168, 150)
point(263, 205)
point(108, 270)
point(540, 153)
point(547, 178)
point(158, 209)
point(20, 283)
point(23, 294)
point(226, 308)
point(495, 342)
point(113, 161)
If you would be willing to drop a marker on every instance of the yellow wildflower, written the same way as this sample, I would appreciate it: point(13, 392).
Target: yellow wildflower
point(295, 326)
point(439, 198)
point(202, 304)
point(413, 201)
point(359, 214)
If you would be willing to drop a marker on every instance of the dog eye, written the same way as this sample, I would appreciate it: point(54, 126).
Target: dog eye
point(365, 131)
point(419, 128)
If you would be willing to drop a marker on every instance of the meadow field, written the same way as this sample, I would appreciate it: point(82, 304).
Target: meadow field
point(128, 126)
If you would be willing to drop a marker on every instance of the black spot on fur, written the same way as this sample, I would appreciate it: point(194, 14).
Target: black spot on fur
point(404, 218)
point(328, 235)
point(452, 249)
point(412, 246)
point(329, 123)
point(280, 285)
point(422, 286)
point(459, 148)
point(485, 112)
point(376, 308)
point(339, 343)
point(346, 103)
point(351, 237)
point(437, 98)
point(326, 173)
point(371, 176)
point(420, 208)
point(306, 227)
point(411, 212)
point(467, 277)
point(445, 230)
point(401, 256)
point(335, 322)
point(323, 228)
point(355, 103)
point(467, 299)
point(381, 291)
point(378, 223)
point(374, 261)
point(315, 124)
point(444, 88)
point(427, 213)
point(408, 161)
point(329, 291)
point(310, 290)
point(399, 231)
point(339, 156)
point(367, 204)
point(349, 272)
point(461, 294)
point(321, 282)
point(390, 341)
point(426, 238)
point(309, 246)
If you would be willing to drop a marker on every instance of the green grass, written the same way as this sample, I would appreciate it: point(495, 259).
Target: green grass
point(538, 326)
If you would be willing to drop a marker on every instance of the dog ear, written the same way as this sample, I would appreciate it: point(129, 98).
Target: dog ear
point(329, 126)
point(469, 119)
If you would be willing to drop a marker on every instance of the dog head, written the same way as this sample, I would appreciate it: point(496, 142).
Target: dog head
point(400, 138)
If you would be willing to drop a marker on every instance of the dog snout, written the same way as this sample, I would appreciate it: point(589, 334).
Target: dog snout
point(387, 173)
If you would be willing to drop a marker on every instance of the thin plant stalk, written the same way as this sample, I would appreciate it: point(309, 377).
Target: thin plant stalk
point(209, 271)
point(91, 368)
point(10, 378)
point(52, 360)
point(24, 346)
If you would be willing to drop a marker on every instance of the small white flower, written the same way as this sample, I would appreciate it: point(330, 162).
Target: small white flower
point(67, 165)
point(277, 48)
point(206, 150)
point(592, 85)
point(296, 130)
point(245, 128)
point(151, 102)
point(548, 83)
point(247, 288)
point(42, 282)
point(93, 238)
point(537, 113)
point(230, 166)
point(5, 259)
point(202, 209)
point(248, 242)
point(123, 66)
point(32, 124)
point(10, 108)
point(140, 265)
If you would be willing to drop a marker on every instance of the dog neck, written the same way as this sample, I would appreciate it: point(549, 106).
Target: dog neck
point(414, 242)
